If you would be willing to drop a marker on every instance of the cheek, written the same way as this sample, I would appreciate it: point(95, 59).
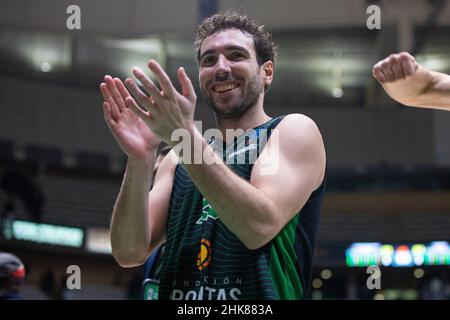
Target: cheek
point(204, 77)
point(245, 71)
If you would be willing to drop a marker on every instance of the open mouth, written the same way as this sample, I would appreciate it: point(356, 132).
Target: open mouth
point(225, 87)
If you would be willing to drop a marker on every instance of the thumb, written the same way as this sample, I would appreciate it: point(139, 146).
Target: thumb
point(186, 85)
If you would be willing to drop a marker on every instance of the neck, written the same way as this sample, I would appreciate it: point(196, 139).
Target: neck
point(254, 117)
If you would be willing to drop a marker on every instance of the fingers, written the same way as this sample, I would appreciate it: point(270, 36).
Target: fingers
point(163, 78)
point(148, 84)
point(114, 92)
point(388, 72)
point(409, 64)
point(114, 109)
point(137, 93)
point(104, 90)
point(131, 103)
point(186, 85)
point(126, 96)
point(121, 87)
point(112, 88)
point(378, 74)
point(108, 115)
point(395, 67)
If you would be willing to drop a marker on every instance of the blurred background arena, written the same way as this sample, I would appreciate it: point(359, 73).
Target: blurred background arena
point(388, 194)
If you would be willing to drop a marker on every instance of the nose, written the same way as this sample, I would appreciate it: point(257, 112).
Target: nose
point(222, 70)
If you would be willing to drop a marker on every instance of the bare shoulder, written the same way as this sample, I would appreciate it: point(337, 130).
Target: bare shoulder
point(300, 129)
point(297, 149)
point(301, 142)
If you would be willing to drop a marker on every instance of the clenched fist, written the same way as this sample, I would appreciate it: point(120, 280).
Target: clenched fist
point(395, 67)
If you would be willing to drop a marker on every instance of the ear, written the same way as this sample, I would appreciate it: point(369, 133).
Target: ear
point(267, 72)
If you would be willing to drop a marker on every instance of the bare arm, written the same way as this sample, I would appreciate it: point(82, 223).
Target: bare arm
point(138, 220)
point(411, 84)
point(256, 211)
point(139, 217)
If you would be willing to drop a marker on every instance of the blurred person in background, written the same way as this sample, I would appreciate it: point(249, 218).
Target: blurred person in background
point(12, 277)
point(411, 84)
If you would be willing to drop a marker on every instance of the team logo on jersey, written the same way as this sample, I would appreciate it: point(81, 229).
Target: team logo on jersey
point(204, 256)
point(207, 212)
point(247, 147)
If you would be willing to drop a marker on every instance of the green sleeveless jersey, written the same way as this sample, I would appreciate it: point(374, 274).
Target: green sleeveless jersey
point(204, 260)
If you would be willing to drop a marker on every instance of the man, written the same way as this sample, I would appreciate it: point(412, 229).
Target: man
point(12, 277)
point(231, 231)
point(412, 84)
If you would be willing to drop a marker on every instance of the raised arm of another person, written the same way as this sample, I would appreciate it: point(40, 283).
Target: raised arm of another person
point(411, 84)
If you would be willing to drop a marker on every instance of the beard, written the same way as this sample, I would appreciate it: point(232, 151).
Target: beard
point(240, 105)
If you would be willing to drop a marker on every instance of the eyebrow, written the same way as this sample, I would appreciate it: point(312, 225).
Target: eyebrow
point(229, 48)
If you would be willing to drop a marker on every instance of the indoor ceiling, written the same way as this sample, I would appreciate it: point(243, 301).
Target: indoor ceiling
point(315, 65)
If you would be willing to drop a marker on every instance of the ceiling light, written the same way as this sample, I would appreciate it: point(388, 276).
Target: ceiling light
point(46, 67)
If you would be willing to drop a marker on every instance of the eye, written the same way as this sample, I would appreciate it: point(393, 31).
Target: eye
point(208, 61)
point(236, 55)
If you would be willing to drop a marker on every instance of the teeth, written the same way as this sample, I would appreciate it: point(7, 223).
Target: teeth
point(224, 87)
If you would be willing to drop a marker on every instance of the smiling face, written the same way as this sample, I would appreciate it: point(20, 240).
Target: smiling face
point(230, 78)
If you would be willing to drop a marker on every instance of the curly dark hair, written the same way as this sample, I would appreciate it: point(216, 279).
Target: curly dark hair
point(266, 49)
